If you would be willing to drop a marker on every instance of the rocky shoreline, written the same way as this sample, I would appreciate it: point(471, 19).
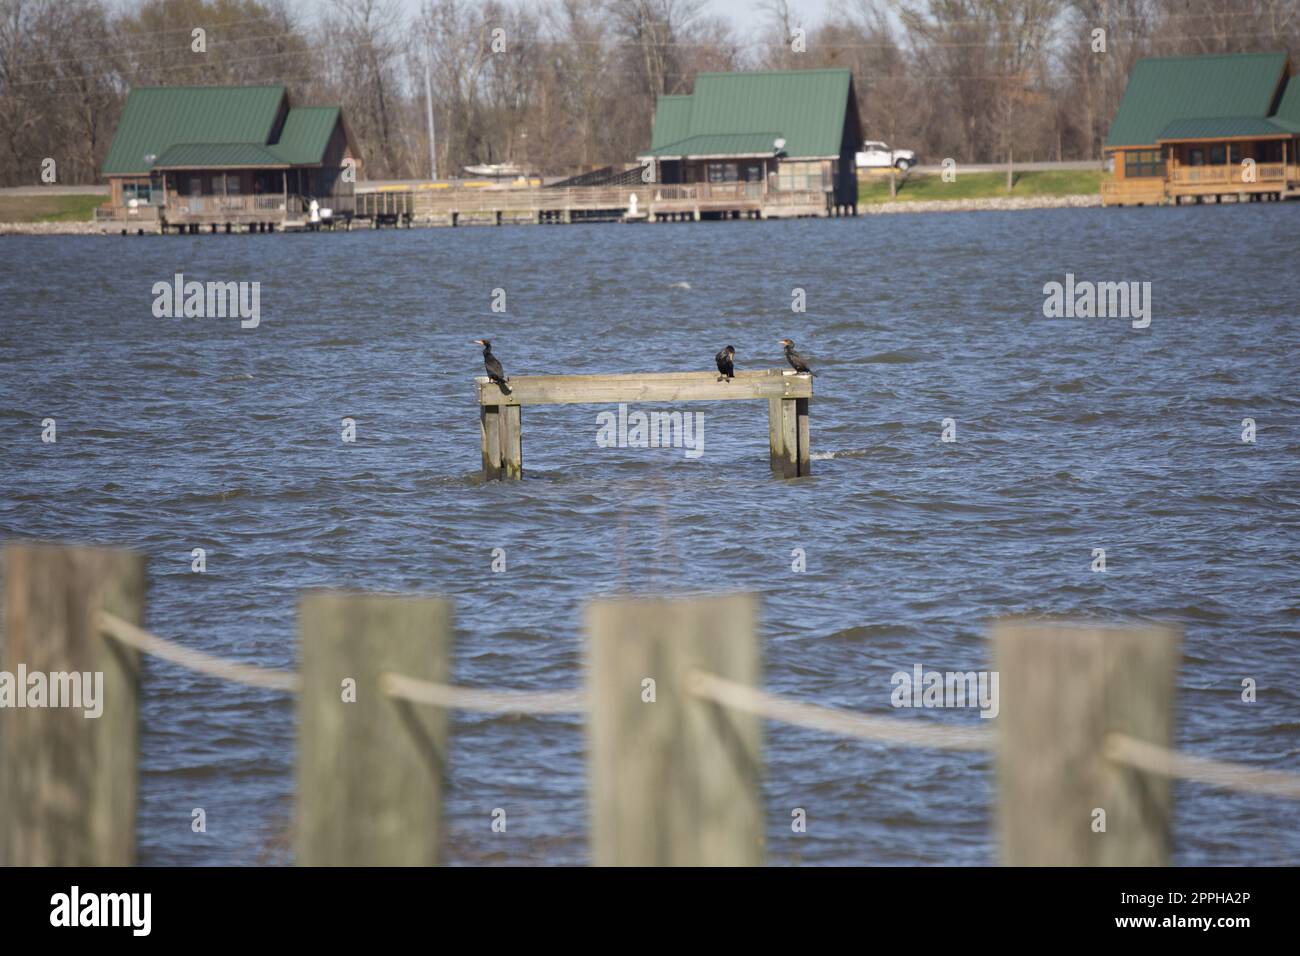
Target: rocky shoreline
point(987, 204)
point(51, 229)
point(991, 204)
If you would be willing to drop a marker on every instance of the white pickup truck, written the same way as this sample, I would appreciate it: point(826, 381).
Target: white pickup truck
point(877, 155)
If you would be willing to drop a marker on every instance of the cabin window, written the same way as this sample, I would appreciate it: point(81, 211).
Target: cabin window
point(724, 172)
point(138, 191)
point(792, 176)
point(232, 185)
point(1218, 155)
point(1196, 156)
point(1143, 162)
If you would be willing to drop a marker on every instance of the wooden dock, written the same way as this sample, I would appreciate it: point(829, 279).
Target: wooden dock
point(431, 204)
point(787, 394)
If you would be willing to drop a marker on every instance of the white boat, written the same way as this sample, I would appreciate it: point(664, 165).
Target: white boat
point(496, 170)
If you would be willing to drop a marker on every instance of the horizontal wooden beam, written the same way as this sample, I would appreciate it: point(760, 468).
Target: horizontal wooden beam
point(646, 387)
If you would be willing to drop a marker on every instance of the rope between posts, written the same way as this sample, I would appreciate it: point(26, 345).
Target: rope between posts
point(488, 701)
point(1119, 748)
point(247, 674)
point(1152, 758)
point(847, 723)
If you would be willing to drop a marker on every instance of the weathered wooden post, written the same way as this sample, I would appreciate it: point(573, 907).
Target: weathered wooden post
point(1063, 688)
point(674, 778)
point(788, 436)
point(501, 428)
point(369, 766)
point(68, 781)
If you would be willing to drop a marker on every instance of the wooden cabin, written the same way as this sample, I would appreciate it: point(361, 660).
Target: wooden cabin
point(1192, 127)
point(220, 156)
point(768, 141)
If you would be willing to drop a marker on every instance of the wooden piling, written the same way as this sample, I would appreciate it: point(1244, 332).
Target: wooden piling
point(68, 781)
point(788, 437)
point(490, 431)
point(804, 436)
point(370, 769)
point(500, 428)
point(1063, 688)
point(512, 454)
point(674, 782)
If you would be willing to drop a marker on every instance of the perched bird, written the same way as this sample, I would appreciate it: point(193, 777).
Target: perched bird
point(795, 359)
point(724, 360)
point(493, 365)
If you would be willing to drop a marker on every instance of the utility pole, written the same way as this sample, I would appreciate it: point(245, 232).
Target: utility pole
point(428, 98)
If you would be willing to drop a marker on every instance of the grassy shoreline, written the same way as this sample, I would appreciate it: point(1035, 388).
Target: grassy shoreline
point(930, 186)
point(79, 207)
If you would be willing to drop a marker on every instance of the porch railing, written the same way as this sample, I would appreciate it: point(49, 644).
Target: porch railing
point(1226, 174)
point(183, 206)
point(144, 212)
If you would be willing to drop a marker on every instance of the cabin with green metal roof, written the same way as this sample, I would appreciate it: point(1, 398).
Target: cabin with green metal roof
point(773, 140)
point(1192, 127)
point(224, 156)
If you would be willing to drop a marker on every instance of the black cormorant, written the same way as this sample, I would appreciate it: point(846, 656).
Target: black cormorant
point(795, 359)
point(725, 363)
point(495, 372)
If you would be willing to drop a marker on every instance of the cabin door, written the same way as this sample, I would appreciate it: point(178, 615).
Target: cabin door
point(196, 193)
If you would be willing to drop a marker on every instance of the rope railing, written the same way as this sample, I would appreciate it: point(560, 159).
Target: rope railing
point(451, 697)
point(1119, 748)
point(1141, 755)
point(246, 674)
point(846, 723)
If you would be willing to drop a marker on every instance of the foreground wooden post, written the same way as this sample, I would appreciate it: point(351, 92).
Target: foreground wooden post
point(370, 767)
point(68, 781)
point(1063, 688)
point(674, 779)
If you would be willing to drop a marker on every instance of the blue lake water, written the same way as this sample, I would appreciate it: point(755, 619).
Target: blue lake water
point(1072, 434)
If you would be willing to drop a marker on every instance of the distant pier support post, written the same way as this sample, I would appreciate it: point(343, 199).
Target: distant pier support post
point(788, 437)
point(674, 778)
point(502, 439)
point(370, 767)
point(68, 781)
point(1062, 689)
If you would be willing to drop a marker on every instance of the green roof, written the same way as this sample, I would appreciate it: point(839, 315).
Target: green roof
point(217, 126)
point(306, 134)
point(1288, 109)
point(1163, 89)
point(721, 144)
point(807, 108)
point(1226, 126)
point(672, 121)
point(158, 117)
point(216, 156)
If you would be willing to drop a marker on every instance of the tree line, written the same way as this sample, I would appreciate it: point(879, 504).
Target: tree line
point(559, 86)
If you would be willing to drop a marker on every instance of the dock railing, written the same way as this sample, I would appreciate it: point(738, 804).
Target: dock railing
point(536, 202)
point(673, 710)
